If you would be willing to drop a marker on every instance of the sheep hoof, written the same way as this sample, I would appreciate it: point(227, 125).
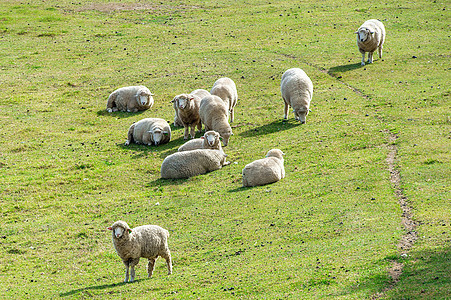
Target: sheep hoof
point(362, 63)
point(127, 143)
point(109, 110)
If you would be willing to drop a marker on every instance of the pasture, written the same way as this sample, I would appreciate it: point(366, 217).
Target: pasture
point(378, 135)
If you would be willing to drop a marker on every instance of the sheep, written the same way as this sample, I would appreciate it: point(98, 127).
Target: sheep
point(210, 140)
point(199, 93)
point(187, 111)
point(225, 89)
point(149, 131)
point(370, 36)
point(297, 92)
point(213, 114)
point(130, 99)
point(264, 171)
point(192, 163)
point(147, 241)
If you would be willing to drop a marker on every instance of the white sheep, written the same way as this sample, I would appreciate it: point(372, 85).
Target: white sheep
point(370, 36)
point(149, 131)
point(187, 111)
point(213, 114)
point(192, 163)
point(210, 140)
point(199, 93)
point(148, 241)
point(266, 170)
point(130, 99)
point(225, 89)
point(297, 92)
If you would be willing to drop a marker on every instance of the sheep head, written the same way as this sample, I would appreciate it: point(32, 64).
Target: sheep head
point(363, 34)
point(144, 97)
point(158, 134)
point(119, 228)
point(211, 137)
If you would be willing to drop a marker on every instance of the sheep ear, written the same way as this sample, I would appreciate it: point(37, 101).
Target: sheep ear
point(221, 138)
point(372, 32)
point(202, 137)
point(129, 230)
point(110, 228)
point(165, 132)
point(356, 32)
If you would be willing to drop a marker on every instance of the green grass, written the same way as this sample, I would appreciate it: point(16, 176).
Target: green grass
point(330, 229)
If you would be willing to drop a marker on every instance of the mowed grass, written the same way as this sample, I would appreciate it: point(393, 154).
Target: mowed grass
point(330, 229)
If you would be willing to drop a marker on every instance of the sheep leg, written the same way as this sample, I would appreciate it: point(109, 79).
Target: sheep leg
point(133, 263)
point(193, 131)
point(380, 51)
point(185, 136)
point(199, 127)
point(130, 135)
point(168, 259)
point(151, 266)
point(285, 111)
point(126, 270)
point(370, 57)
point(231, 116)
point(363, 56)
point(111, 105)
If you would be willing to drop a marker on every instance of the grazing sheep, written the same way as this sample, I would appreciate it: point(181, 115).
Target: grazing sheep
point(191, 163)
point(149, 131)
point(148, 241)
point(213, 114)
point(297, 92)
point(266, 170)
point(210, 140)
point(187, 111)
point(225, 89)
point(199, 93)
point(370, 36)
point(130, 99)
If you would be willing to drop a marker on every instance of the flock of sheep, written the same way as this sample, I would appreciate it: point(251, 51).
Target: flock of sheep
point(205, 154)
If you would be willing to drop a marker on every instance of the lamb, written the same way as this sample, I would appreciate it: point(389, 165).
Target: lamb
point(187, 111)
point(148, 241)
point(297, 92)
point(266, 170)
point(199, 93)
point(192, 163)
point(149, 131)
point(210, 140)
point(225, 89)
point(370, 36)
point(213, 114)
point(130, 99)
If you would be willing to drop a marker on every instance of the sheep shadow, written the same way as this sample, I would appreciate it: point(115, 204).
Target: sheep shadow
point(334, 71)
point(275, 126)
point(165, 182)
point(101, 287)
point(119, 114)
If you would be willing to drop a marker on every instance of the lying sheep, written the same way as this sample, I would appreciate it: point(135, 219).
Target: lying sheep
point(149, 131)
point(187, 111)
point(130, 99)
point(225, 89)
point(210, 140)
point(148, 241)
point(370, 36)
point(213, 114)
point(297, 92)
point(266, 170)
point(201, 93)
point(192, 163)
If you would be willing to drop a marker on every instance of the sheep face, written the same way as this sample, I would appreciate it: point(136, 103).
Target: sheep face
point(119, 229)
point(301, 115)
point(363, 34)
point(158, 135)
point(225, 137)
point(211, 137)
point(144, 97)
point(184, 102)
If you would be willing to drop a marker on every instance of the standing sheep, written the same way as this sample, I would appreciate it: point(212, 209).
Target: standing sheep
point(199, 93)
point(225, 89)
point(370, 36)
point(210, 140)
point(149, 131)
point(266, 170)
point(148, 241)
point(297, 92)
point(187, 111)
point(192, 163)
point(213, 114)
point(130, 99)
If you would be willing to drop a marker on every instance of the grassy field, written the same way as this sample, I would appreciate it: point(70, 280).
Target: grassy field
point(330, 229)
